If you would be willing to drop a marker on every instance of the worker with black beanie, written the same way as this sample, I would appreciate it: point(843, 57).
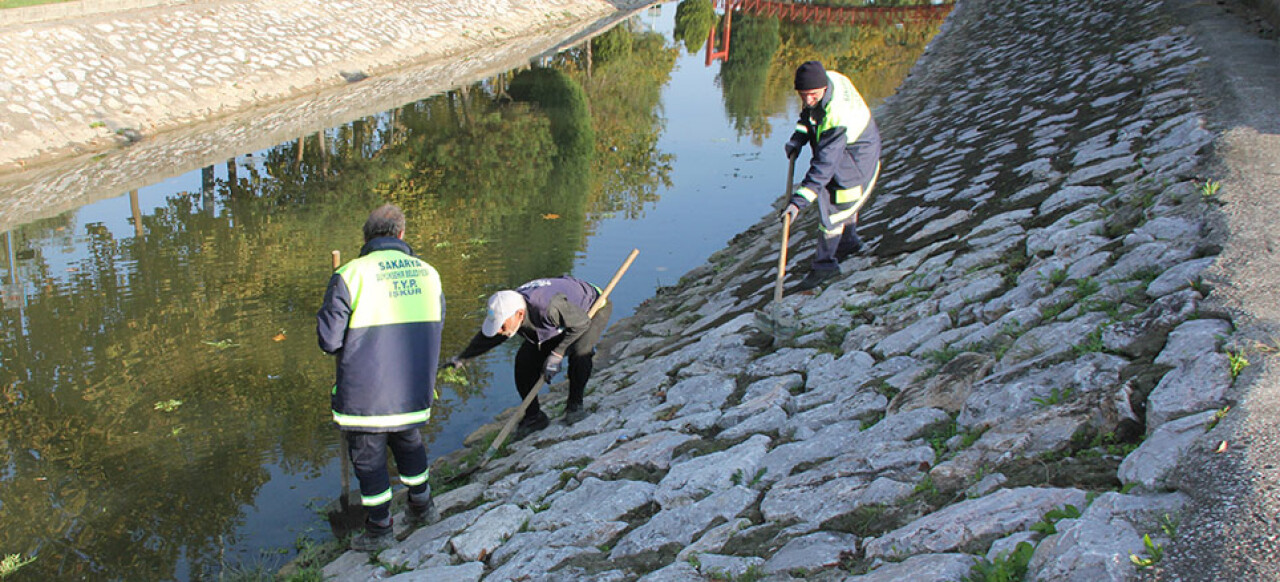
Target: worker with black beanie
point(836, 123)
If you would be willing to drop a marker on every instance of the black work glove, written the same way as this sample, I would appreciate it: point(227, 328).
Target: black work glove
point(792, 150)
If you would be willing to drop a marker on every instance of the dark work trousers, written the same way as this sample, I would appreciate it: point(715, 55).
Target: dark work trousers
point(530, 360)
point(840, 240)
point(369, 457)
point(838, 227)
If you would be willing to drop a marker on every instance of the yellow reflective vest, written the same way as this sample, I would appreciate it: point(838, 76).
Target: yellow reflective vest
point(382, 316)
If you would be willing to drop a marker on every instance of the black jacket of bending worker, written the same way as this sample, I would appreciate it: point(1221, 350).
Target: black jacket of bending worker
point(382, 317)
point(551, 316)
point(837, 124)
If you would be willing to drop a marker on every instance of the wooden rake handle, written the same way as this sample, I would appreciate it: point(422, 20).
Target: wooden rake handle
point(786, 233)
point(336, 262)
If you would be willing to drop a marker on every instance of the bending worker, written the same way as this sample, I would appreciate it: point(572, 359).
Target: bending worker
point(551, 316)
point(837, 124)
point(382, 316)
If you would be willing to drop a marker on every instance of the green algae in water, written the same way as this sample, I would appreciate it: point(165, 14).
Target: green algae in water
point(454, 376)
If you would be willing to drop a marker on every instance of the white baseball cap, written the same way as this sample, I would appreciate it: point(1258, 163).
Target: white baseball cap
point(502, 305)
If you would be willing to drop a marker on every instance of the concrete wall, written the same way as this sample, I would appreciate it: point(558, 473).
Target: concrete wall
point(76, 9)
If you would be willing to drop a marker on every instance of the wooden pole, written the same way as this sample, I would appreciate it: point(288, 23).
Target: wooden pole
point(786, 231)
point(346, 448)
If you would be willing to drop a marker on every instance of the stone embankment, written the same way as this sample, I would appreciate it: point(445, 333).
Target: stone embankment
point(1025, 356)
point(117, 100)
point(116, 77)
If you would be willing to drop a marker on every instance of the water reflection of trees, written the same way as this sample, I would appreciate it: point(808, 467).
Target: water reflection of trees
point(694, 19)
point(744, 77)
point(764, 51)
point(210, 313)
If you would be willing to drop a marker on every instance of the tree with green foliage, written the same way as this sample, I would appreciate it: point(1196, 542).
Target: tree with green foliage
point(744, 77)
point(694, 19)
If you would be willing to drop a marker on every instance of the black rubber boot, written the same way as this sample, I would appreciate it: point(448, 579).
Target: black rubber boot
point(422, 514)
point(530, 424)
point(817, 278)
point(375, 538)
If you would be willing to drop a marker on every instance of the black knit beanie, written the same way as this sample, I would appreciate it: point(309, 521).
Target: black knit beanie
point(810, 76)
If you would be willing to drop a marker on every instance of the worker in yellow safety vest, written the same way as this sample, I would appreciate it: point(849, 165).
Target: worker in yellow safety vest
point(382, 316)
point(837, 124)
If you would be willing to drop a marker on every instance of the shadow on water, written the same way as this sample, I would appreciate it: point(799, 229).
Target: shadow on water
point(161, 394)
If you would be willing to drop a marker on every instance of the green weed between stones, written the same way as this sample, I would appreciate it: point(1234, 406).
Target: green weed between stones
point(872, 420)
point(942, 356)
point(1091, 343)
point(1155, 553)
point(1217, 417)
point(753, 573)
point(908, 291)
point(865, 521)
point(1199, 285)
point(740, 478)
point(1109, 443)
point(938, 436)
point(306, 567)
point(1238, 362)
point(1006, 567)
point(1085, 287)
point(884, 388)
point(1053, 310)
point(1057, 277)
point(1055, 396)
point(927, 492)
point(393, 569)
point(1016, 261)
point(1047, 525)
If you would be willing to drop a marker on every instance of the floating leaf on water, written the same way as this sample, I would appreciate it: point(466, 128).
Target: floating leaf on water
point(222, 344)
point(279, 337)
point(168, 406)
point(443, 244)
point(550, 216)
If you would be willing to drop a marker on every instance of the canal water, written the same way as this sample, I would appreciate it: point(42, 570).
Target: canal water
point(163, 402)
